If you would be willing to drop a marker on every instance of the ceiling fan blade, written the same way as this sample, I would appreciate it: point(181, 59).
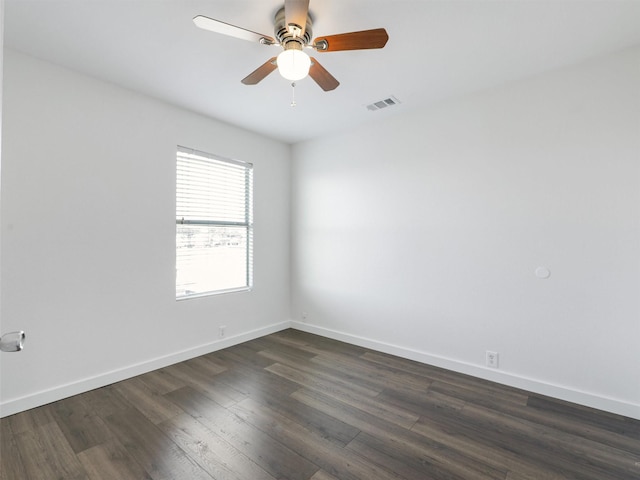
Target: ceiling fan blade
point(261, 72)
point(323, 78)
point(295, 12)
point(217, 26)
point(376, 38)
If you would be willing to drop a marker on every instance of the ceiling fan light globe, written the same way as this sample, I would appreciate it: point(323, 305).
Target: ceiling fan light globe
point(293, 64)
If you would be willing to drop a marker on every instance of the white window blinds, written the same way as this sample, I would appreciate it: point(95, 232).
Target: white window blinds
point(214, 224)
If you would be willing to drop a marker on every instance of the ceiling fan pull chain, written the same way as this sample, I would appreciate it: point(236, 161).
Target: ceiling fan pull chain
point(293, 94)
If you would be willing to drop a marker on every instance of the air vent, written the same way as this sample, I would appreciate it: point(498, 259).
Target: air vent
point(380, 104)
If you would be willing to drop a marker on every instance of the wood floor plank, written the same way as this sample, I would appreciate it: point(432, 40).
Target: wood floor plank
point(374, 374)
point(350, 370)
point(412, 468)
point(603, 421)
point(328, 374)
point(11, 465)
point(464, 382)
point(322, 475)
point(273, 391)
point(221, 365)
point(160, 457)
point(105, 401)
point(407, 445)
point(277, 459)
point(81, 427)
point(316, 343)
point(304, 343)
point(420, 403)
point(574, 426)
point(587, 458)
point(520, 447)
point(241, 355)
point(216, 456)
point(256, 382)
point(348, 396)
point(216, 390)
point(46, 454)
point(292, 352)
point(28, 420)
point(324, 425)
point(161, 382)
point(206, 365)
point(476, 446)
point(333, 459)
point(478, 394)
point(110, 461)
point(152, 405)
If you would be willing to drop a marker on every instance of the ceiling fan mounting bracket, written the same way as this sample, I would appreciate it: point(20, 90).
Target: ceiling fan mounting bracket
point(321, 45)
point(295, 30)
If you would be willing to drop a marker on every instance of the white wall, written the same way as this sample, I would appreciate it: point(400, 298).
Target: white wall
point(88, 234)
point(420, 234)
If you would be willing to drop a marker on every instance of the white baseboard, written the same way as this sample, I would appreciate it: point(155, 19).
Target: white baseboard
point(532, 385)
point(20, 404)
point(27, 402)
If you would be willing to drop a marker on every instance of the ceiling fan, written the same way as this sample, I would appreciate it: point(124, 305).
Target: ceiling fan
point(293, 32)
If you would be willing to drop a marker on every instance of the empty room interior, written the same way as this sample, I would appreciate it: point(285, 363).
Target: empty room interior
point(419, 258)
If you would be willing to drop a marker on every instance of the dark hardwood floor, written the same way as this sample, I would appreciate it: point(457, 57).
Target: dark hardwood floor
point(295, 406)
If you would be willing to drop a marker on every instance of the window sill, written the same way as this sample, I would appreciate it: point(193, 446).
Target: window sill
point(214, 293)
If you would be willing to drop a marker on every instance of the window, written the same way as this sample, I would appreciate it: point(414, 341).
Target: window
point(214, 224)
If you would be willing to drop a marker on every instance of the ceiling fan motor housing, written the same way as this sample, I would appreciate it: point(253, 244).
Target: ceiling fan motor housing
point(290, 34)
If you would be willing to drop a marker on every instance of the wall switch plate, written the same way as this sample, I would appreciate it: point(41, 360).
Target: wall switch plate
point(491, 359)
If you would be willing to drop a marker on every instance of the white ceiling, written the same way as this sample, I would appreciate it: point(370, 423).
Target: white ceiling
point(436, 50)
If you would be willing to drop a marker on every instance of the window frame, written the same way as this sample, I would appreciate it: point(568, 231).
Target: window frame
point(247, 223)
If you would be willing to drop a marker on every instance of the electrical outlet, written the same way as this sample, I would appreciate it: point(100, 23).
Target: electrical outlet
point(304, 316)
point(492, 359)
point(221, 331)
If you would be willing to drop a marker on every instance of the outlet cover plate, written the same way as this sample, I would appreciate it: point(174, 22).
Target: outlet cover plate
point(492, 359)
